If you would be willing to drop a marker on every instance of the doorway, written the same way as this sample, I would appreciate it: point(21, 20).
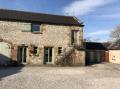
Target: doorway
point(48, 55)
point(22, 51)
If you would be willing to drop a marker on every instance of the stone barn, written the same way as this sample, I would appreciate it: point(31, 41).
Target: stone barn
point(37, 39)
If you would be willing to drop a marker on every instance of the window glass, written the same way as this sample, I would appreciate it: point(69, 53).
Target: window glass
point(59, 50)
point(74, 36)
point(35, 28)
point(35, 50)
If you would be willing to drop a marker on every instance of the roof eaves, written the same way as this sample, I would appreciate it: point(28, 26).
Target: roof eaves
point(78, 20)
point(71, 20)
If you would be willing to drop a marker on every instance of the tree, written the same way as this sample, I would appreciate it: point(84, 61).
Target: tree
point(115, 34)
point(87, 39)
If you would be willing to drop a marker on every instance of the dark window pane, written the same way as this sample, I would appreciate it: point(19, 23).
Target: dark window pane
point(24, 60)
point(50, 60)
point(35, 50)
point(59, 50)
point(35, 28)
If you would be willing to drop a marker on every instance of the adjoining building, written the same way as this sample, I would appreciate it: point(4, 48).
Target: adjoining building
point(114, 52)
point(95, 52)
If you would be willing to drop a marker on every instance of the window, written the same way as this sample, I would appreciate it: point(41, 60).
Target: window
point(35, 27)
point(74, 36)
point(35, 50)
point(59, 50)
point(25, 27)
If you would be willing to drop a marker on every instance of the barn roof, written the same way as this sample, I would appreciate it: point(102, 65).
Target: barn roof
point(14, 15)
point(115, 45)
point(94, 46)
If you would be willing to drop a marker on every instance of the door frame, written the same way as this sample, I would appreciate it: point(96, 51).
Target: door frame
point(19, 60)
point(48, 57)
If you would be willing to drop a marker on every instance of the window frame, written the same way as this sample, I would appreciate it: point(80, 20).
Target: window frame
point(74, 39)
point(35, 50)
point(32, 27)
point(59, 50)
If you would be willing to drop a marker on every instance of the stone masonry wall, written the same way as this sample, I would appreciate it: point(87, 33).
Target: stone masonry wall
point(51, 36)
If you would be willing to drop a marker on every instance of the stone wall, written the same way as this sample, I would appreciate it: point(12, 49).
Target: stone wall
point(79, 57)
point(51, 36)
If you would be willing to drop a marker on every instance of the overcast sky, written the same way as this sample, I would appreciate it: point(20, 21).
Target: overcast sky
point(99, 16)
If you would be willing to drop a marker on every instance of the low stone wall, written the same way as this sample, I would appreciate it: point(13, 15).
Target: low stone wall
point(72, 57)
point(79, 57)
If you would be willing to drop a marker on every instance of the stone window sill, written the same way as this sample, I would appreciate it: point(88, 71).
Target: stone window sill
point(37, 32)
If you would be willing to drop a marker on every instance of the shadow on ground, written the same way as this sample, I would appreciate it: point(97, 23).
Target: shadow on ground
point(8, 71)
point(8, 67)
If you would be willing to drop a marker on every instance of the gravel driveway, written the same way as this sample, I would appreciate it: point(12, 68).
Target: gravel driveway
point(99, 76)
